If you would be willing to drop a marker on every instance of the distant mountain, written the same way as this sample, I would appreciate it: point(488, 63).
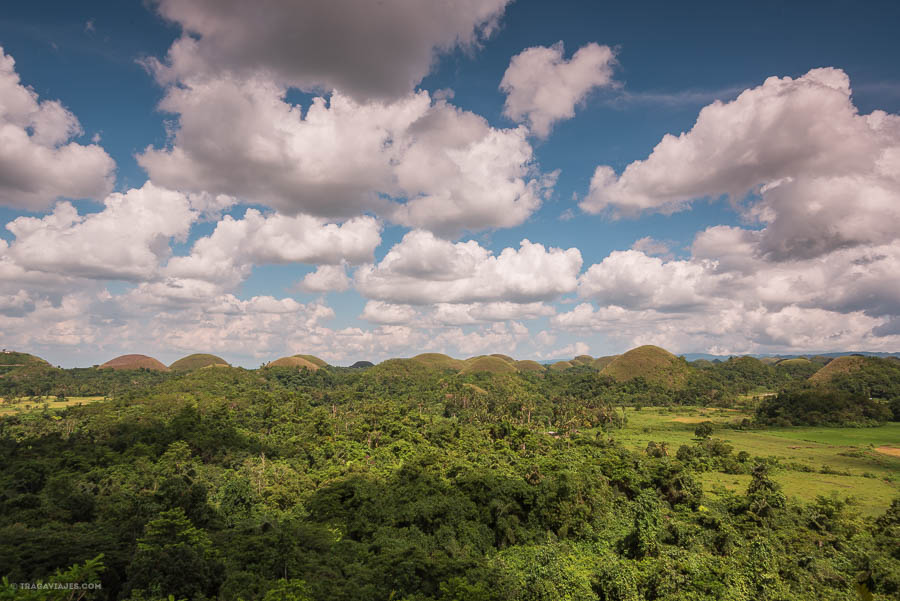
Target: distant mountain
point(362, 365)
point(709, 357)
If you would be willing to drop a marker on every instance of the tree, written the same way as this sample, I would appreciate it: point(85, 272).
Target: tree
point(704, 430)
point(174, 557)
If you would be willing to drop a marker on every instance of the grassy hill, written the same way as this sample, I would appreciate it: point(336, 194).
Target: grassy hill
point(11, 360)
point(529, 365)
point(839, 366)
point(295, 361)
point(197, 361)
point(134, 362)
point(583, 360)
point(561, 365)
point(439, 361)
point(488, 363)
point(794, 361)
point(600, 362)
point(654, 364)
point(362, 365)
point(314, 360)
point(506, 358)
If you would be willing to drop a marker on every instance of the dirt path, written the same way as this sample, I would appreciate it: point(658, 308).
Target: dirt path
point(893, 451)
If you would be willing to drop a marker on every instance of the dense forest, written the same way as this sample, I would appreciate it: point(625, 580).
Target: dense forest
point(419, 482)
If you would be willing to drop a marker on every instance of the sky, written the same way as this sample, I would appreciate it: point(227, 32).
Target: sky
point(369, 180)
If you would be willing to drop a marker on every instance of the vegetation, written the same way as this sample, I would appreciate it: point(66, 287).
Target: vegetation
point(296, 362)
point(816, 407)
point(415, 482)
point(489, 364)
point(653, 364)
point(134, 362)
point(197, 361)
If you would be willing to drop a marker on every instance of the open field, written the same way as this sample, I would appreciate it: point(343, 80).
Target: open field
point(12, 406)
point(866, 471)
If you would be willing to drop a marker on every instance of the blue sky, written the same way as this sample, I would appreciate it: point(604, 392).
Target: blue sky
point(766, 227)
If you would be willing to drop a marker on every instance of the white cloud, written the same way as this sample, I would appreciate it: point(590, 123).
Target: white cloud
point(389, 313)
point(38, 162)
point(326, 278)
point(419, 163)
point(126, 240)
point(423, 269)
point(632, 279)
point(568, 351)
point(228, 254)
point(369, 49)
point(652, 247)
point(543, 88)
point(826, 176)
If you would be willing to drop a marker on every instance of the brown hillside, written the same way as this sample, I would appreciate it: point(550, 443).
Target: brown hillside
point(506, 358)
point(841, 365)
point(134, 362)
point(490, 364)
point(654, 364)
point(529, 365)
point(561, 365)
point(583, 360)
point(600, 362)
point(197, 361)
point(438, 361)
point(298, 362)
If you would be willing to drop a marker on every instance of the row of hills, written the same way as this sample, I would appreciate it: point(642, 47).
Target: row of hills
point(656, 365)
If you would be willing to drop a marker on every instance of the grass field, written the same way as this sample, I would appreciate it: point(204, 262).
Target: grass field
point(12, 406)
point(872, 478)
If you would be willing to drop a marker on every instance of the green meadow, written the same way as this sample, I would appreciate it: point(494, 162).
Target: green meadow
point(813, 461)
point(22, 404)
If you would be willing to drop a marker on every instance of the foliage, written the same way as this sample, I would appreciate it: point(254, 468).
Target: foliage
point(409, 482)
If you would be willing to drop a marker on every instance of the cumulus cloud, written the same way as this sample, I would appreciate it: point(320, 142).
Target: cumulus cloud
point(228, 254)
point(820, 176)
point(126, 240)
point(424, 269)
point(326, 278)
point(38, 161)
point(542, 87)
point(369, 50)
point(417, 162)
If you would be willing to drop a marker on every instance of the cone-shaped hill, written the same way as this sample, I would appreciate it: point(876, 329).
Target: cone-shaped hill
point(314, 359)
point(654, 364)
point(506, 358)
point(796, 361)
point(439, 361)
point(295, 361)
point(134, 362)
point(198, 361)
point(12, 361)
point(562, 365)
point(841, 365)
point(488, 363)
point(600, 362)
point(582, 360)
point(529, 365)
point(16, 359)
point(362, 365)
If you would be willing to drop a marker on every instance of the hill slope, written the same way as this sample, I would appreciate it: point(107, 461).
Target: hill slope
point(295, 361)
point(654, 364)
point(134, 362)
point(439, 361)
point(836, 367)
point(197, 361)
point(494, 365)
